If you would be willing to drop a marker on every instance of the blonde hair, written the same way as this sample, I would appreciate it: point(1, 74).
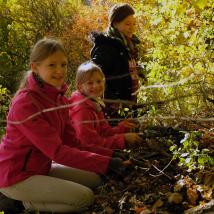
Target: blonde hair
point(44, 48)
point(85, 71)
point(41, 50)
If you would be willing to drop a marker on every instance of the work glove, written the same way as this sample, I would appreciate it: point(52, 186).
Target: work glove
point(120, 154)
point(116, 165)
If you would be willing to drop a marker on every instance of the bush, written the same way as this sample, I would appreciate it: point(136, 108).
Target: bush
point(22, 24)
point(4, 103)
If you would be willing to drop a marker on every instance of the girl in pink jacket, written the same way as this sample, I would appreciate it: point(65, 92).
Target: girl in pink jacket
point(42, 163)
point(87, 116)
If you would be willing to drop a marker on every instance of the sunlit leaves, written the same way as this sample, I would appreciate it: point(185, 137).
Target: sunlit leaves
point(176, 41)
point(4, 103)
point(177, 33)
point(200, 4)
point(190, 154)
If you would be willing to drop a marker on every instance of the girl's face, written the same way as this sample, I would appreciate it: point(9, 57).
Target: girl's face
point(126, 26)
point(52, 69)
point(94, 86)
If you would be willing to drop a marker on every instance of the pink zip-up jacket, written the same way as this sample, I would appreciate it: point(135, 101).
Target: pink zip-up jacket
point(91, 126)
point(29, 147)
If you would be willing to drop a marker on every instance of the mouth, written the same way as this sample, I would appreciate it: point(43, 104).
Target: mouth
point(93, 93)
point(58, 77)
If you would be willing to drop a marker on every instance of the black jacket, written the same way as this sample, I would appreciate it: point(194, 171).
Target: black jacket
point(112, 56)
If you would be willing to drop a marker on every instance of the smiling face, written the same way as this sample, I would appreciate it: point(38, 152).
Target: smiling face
point(126, 26)
point(52, 69)
point(93, 86)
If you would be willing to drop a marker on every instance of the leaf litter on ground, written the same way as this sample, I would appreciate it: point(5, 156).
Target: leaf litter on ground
point(152, 180)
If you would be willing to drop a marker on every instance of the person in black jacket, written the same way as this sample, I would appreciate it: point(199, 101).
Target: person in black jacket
point(115, 52)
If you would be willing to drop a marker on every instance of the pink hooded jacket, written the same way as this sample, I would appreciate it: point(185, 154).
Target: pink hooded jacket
point(28, 148)
point(91, 126)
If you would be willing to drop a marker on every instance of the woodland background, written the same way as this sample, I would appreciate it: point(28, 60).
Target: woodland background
point(176, 56)
point(176, 50)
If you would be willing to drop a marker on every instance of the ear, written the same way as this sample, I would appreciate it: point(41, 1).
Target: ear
point(116, 25)
point(33, 67)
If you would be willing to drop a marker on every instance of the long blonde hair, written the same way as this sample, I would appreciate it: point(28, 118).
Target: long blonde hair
point(41, 50)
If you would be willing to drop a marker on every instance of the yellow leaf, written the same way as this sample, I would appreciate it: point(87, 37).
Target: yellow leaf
point(200, 4)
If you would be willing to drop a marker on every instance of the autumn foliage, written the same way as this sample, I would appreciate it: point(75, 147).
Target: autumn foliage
point(176, 54)
point(176, 50)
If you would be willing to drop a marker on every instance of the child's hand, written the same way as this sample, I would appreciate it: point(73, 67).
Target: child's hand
point(116, 165)
point(132, 138)
point(130, 123)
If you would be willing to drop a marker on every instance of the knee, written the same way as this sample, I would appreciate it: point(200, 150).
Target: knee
point(95, 181)
point(88, 198)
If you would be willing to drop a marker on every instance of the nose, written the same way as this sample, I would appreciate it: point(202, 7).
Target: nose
point(95, 85)
point(59, 69)
point(133, 27)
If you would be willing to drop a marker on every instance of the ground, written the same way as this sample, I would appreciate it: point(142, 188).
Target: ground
point(153, 182)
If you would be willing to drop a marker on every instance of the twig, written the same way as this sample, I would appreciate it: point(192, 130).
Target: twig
point(122, 201)
point(161, 173)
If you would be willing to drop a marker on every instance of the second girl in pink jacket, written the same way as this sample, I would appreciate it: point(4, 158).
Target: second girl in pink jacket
point(87, 116)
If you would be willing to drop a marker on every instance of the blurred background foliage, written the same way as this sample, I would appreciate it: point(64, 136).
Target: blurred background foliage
point(176, 50)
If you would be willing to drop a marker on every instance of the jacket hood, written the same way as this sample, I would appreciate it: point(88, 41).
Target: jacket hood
point(102, 38)
point(47, 89)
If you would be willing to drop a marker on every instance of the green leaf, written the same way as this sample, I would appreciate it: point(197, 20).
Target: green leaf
point(201, 160)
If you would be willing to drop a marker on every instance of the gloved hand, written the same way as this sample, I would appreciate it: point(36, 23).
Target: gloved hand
point(120, 154)
point(116, 165)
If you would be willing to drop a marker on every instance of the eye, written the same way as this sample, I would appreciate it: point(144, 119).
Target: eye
point(51, 65)
point(64, 65)
point(90, 83)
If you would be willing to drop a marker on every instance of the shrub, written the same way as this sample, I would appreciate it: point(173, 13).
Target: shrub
point(4, 103)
